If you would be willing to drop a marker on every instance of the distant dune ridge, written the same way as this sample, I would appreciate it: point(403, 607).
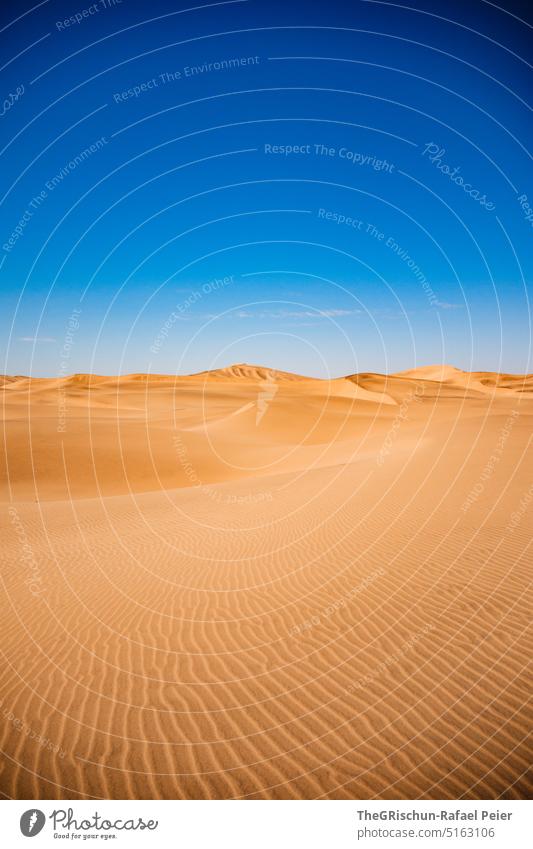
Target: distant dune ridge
point(254, 373)
point(248, 583)
point(89, 435)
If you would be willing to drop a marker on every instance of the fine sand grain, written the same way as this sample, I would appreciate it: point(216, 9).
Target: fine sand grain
point(248, 583)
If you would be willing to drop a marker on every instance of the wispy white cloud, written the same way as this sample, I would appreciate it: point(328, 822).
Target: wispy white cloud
point(309, 313)
point(444, 305)
point(36, 339)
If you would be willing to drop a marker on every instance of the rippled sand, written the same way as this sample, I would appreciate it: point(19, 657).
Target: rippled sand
point(247, 583)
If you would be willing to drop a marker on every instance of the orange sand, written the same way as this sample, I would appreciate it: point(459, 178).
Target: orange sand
point(247, 583)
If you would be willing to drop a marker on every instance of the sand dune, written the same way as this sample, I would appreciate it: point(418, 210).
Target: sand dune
point(440, 373)
point(250, 583)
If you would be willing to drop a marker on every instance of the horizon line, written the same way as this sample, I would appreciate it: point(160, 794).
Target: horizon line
point(228, 368)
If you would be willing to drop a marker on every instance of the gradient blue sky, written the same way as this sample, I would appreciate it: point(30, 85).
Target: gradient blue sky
point(181, 191)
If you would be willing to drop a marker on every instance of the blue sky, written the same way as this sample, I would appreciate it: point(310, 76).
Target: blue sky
point(321, 188)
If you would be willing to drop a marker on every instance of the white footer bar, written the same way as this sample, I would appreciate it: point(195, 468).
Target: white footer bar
point(268, 824)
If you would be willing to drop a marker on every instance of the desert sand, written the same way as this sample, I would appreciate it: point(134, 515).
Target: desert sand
point(251, 584)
